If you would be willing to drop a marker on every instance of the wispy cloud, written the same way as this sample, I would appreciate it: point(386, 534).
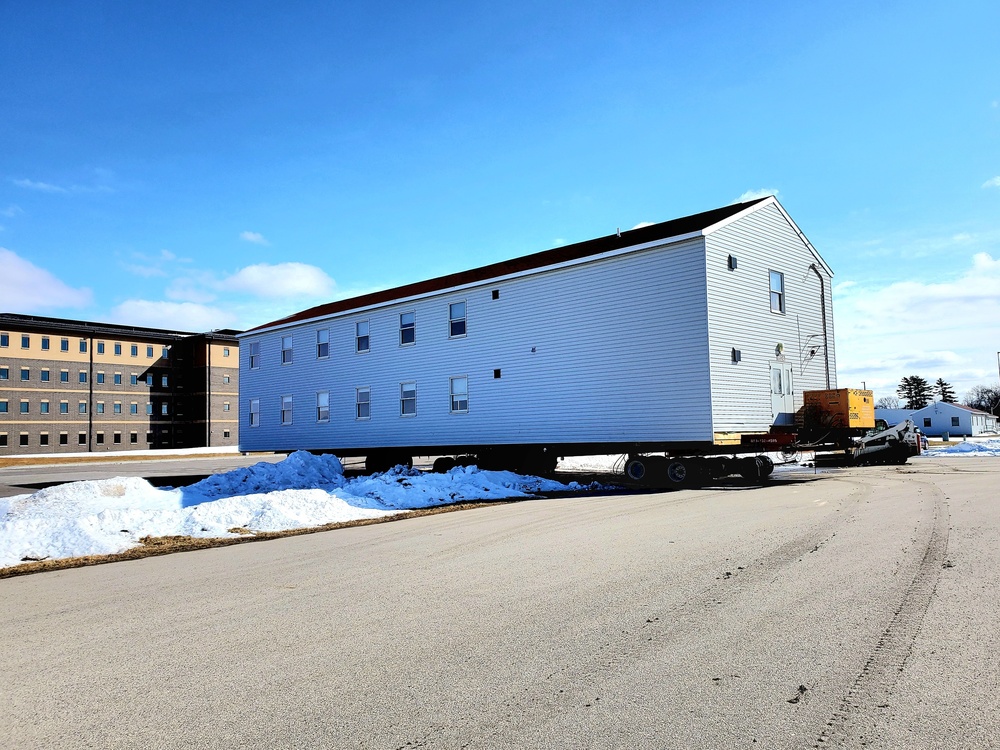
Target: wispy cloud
point(11, 211)
point(945, 328)
point(255, 237)
point(994, 182)
point(27, 288)
point(101, 178)
point(752, 195)
point(41, 187)
point(183, 316)
point(280, 280)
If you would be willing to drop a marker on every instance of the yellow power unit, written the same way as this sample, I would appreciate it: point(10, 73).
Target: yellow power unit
point(840, 407)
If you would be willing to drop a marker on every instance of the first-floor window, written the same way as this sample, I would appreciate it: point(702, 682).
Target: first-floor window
point(363, 400)
point(133, 438)
point(460, 395)
point(254, 412)
point(81, 439)
point(323, 406)
point(63, 438)
point(43, 439)
point(408, 399)
point(954, 421)
point(286, 410)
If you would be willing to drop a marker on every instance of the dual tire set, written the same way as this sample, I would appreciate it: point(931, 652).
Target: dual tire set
point(667, 471)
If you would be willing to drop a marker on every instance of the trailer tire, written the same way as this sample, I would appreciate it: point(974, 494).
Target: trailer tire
point(637, 469)
point(443, 464)
point(680, 473)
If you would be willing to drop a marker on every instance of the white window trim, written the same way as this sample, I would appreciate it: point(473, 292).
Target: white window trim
point(320, 343)
point(413, 328)
point(358, 337)
point(464, 319)
point(290, 350)
point(253, 355)
point(290, 410)
point(253, 413)
point(451, 394)
point(319, 407)
point(782, 299)
point(357, 402)
point(403, 400)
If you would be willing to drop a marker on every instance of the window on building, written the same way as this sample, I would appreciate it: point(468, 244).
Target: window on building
point(43, 407)
point(407, 328)
point(134, 379)
point(225, 379)
point(25, 407)
point(5, 373)
point(26, 342)
point(323, 343)
point(23, 439)
point(163, 381)
point(165, 352)
point(286, 350)
point(408, 399)
point(118, 407)
point(4, 340)
point(286, 410)
point(133, 438)
point(456, 319)
point(82, 407)
point(363, 402)
point(63, 438)
point(254, 355)
point(45, 375)
point(927, 421)
point(118, 438)
point(118, 378)
point(83, 346)
point(83, 376)
point(100, 407)
point(25, 373)
point(149, 407)
point(254, 413)
point(100, 347)
point(3, 437)
point(118, 349)
point(133, 408)
point(149, 379)
point(99, 438)
point(3, 406)
point(323, 406)
point(225, 406)
point(225, 433)
point(64, 407)
point(225, 351)
point(45, 343)
point(100, 378)
point(64, 345)
point(362, 342)
point(164, 408)
point(64, 376)
point(954, 422)
point(149, 352)
point(460, 395)
point(149, 436)
point(81, 439)
point(777, 291)
point(134, 350)
point(43, 438)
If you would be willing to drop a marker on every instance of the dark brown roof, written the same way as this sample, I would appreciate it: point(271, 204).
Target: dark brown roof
point(576, 251)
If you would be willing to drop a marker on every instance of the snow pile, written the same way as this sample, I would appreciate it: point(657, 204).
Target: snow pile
point(111, 515)
point(989, 447)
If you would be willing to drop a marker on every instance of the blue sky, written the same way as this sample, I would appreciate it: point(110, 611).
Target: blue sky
point(201, 165)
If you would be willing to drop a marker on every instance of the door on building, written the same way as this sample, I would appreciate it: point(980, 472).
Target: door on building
point(782, 400)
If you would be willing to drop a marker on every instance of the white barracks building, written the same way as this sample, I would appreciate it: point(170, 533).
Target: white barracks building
point(679, 335)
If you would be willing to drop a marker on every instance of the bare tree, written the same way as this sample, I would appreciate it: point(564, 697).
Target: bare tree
point(887, 402)
point(985, 398)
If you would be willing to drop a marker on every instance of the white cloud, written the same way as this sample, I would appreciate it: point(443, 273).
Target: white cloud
point(943, 329)
point(180, 316)
point(752, 195)
point(280, 280)
point(994, 182)
point(26, 288)
point(42, 187)
point(255, 237)
point(47, 187)
point(11, 211)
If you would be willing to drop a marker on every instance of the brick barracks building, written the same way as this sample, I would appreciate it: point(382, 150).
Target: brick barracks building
point(69, 386)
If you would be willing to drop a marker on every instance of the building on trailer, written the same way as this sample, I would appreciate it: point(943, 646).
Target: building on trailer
point(681, 335)
point(71, 386)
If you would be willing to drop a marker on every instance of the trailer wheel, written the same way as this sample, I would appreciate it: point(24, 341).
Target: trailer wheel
point(766, 465)
point(443, 464)
point(635, 469)
point(679, 473)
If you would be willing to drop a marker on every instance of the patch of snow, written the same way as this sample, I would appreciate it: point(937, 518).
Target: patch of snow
point(111, 515)
point(990, 447)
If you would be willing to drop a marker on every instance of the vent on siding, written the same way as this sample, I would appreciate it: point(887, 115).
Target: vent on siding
point(732, 262)
point(496, 294)
point(737, 356)
point(496, 374)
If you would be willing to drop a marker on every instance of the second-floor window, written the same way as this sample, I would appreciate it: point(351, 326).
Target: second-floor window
point(407, 328)
point(777, 283)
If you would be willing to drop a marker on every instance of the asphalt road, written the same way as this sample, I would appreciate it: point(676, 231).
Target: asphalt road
point(857, 609)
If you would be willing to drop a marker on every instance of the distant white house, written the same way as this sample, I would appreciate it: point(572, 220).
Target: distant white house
point(940, 417)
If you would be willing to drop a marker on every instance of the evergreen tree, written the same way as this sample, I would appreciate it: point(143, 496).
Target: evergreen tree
point(915, 391)
point(944, 391)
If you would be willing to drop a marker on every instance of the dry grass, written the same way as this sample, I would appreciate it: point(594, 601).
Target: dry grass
point(166, 545)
